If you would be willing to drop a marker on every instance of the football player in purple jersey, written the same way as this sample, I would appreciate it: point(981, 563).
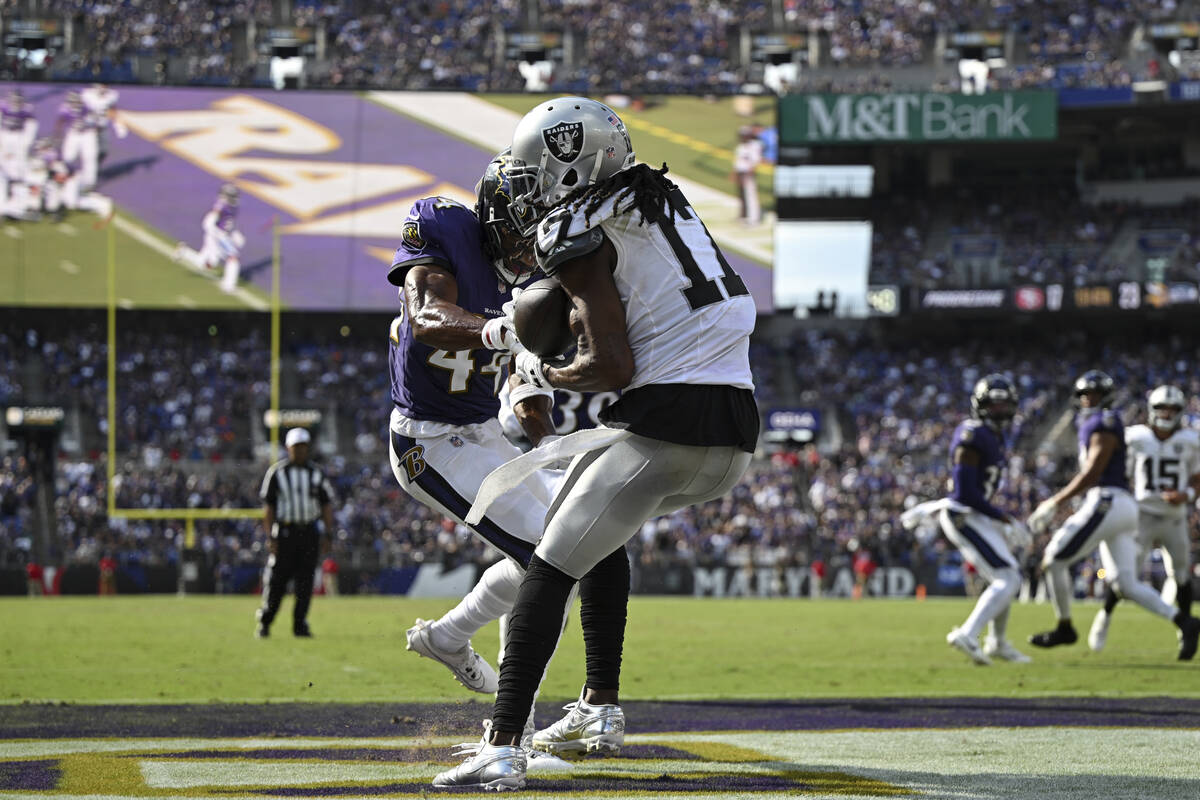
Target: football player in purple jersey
point(450, 348)
point(1107, 517)
point(223, 242)
point(983, 533)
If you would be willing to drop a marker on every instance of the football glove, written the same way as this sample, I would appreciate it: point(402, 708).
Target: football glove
point(532, 369)
point(1042, 516)
point(498, 334)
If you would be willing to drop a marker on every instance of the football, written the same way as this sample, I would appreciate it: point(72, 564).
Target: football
point(542, 319)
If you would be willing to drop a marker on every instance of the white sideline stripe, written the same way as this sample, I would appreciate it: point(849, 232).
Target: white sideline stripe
point(14, 232)
point(69, 267)
point(489, 126)
point(67, 228)
point(159, 246)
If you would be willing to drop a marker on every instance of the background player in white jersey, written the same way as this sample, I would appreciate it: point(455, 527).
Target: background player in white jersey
point(1108, 518)
point(59, 184)
point(1164, 464)
point(18, 130)
point(100, 101)
point(660, 314)
point(223, 242)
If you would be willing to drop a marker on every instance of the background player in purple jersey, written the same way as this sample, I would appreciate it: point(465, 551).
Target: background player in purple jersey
point(449, 354)
point(223, 242)
point(1108, 518)
point(982, 532)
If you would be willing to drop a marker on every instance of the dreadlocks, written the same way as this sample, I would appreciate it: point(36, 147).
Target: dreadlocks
point(649, 188)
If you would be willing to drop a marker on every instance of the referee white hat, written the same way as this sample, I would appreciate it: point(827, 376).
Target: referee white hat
point(297, 436)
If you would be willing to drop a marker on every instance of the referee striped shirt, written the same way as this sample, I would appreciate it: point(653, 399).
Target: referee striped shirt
point(297, 492)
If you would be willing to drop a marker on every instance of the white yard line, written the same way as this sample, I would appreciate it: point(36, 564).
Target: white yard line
point(69, 267)
point(158, 245)
point(490, 127)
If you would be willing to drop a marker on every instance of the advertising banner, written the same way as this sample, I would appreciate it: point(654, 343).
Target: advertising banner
point(917, 117)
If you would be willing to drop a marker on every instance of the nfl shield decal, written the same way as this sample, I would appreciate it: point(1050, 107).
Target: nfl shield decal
point(565, 140)
point(411, 234)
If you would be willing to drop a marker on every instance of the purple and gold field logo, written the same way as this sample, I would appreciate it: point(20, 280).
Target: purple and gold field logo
point(564, 140)
point(298, 768)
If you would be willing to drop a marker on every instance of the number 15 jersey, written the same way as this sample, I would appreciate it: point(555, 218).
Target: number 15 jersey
point(1159, 465)
point(688, 315)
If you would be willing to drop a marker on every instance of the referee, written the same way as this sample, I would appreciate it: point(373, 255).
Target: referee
point(295, 495)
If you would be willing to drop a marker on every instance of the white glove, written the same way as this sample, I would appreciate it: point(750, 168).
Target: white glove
point(1041, 517)
point(498, 334)
point(239, 241)
point(531, 369)
point(120, 129)
point(509, 309)
point(1018, 534)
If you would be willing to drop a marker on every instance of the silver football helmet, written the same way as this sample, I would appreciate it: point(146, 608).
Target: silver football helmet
point(562, 145)
point(1166, 407)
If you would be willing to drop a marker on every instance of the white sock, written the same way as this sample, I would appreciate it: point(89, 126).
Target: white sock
point(999, 625)
point(492, 597)
point(1058, 585)
point(1144, 595)
point(994, 599)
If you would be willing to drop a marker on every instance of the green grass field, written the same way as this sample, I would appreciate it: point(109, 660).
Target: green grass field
point(200, 649)
point(51, 264)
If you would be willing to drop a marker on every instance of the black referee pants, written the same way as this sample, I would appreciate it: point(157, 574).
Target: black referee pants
point(297, 549)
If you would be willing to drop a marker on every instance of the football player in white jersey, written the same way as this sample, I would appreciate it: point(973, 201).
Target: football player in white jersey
point(1164, 464)
point(660, 314)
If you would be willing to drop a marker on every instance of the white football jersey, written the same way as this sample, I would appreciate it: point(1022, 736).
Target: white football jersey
point(688, 315)
point(1158, 465)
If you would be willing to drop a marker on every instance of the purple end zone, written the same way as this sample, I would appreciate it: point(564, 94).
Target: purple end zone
point(41, 775)
point(46, 721)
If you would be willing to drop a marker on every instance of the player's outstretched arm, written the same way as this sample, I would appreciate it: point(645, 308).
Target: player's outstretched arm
point(604, 359)
point(431, 296)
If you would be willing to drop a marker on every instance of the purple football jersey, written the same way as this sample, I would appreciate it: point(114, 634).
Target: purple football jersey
point(72, 118)
point(987, 443)
point(460, 387)
point(1104, 421)
point(14, 118)
point(226, 215)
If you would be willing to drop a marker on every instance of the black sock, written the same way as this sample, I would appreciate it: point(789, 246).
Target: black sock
point(1065, 625)
point(534, 625)
point(603, 603)
point(1110, 598)
point(1183, 597)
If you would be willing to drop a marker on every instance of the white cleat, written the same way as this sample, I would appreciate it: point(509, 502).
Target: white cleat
point(585, 729)
point(960, 641)
point(468, 667)
point(1098, 635)
point(1004, 651)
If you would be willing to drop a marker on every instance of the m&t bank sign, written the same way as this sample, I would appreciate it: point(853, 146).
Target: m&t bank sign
point(807, 119)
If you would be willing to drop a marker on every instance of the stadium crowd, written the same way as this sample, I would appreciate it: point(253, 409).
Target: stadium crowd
point(896, 401)
point(637, 47)
point(998, 236)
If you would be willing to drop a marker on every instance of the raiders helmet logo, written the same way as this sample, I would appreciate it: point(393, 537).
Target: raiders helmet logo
point(411, 235)
point(564, 140)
